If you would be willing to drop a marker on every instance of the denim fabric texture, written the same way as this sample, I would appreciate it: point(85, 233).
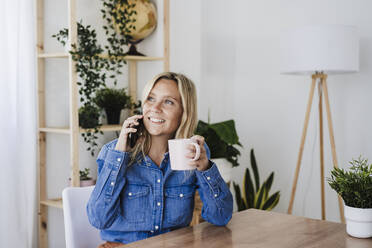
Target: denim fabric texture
point(131, 203)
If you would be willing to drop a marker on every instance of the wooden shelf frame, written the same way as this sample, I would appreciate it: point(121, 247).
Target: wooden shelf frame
point(67, 130)
point(74, 130)
point(127, 58)
point(57, 203)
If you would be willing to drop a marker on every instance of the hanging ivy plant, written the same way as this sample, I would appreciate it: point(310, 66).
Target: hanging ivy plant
point(119, 19)
point(94, 69)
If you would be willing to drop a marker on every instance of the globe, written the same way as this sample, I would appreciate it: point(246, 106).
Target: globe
point(145, 21)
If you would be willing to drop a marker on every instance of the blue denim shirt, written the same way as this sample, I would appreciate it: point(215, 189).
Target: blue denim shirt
point(131, 203)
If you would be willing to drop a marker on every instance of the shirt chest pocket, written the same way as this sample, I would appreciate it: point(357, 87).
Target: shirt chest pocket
point(135, 202)
point(179, 204)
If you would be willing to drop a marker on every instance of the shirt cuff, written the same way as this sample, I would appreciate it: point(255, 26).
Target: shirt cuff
point(211, 176)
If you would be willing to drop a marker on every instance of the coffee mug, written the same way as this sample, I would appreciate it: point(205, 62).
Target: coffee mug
point(177, 153)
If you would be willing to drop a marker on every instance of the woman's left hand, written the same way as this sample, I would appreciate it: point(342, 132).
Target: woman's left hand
point(202, 163)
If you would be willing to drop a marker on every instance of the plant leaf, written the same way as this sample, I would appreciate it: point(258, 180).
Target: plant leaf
point(255, 170)
point(239, 201)
point(248, 190)
point(258, 200)
point(226, 131)
point(272, 201)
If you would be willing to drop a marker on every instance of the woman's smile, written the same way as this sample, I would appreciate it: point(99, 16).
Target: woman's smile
point(163, 109)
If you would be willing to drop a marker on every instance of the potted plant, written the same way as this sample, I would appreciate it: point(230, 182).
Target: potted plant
point(112, 101)
point(221, 138)
point(355, 188)
point(255, 195)
point(88, 116)
point(85, 179)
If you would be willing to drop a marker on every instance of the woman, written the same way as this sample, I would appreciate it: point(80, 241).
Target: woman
point(137, 195)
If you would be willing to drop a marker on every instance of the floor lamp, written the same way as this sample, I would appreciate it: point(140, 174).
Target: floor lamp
point(319, 51)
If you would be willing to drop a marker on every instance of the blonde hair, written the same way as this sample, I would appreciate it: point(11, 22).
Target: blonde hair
point(189, 117)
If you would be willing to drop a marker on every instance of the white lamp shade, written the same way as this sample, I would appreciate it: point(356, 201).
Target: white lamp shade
point(330, 49)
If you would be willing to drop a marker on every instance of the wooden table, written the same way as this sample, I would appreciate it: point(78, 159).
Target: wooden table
point(256, 228)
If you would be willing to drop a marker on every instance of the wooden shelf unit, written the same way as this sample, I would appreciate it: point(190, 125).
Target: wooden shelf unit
point(74, 130)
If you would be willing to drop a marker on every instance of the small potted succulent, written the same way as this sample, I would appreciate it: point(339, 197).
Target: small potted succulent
point(355, 188)
point(221, 138)
point(112, 101)
point(85, 179)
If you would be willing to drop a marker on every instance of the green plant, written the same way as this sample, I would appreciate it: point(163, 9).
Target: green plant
point(84, 175)
point(355, 185)
point(221, 138)
point(88, 116)
point(254, 195)
point(119, 19)
point(91, 69)
point(111, 98)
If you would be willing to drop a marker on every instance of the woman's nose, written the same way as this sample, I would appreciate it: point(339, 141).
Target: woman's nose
point(156, 107)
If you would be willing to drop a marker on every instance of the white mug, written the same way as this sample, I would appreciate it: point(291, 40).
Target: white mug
point(177, 153)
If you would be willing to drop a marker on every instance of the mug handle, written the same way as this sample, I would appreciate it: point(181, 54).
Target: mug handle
point(197, 147)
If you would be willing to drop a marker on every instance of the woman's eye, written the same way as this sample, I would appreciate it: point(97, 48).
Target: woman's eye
point(168, 102)
point(149, 98)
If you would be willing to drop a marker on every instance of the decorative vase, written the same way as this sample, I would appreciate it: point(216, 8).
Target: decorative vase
point(224, 167)
point(113, 116)
point(358, 222)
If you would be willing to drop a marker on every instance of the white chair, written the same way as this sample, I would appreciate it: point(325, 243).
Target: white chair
point(78, 231)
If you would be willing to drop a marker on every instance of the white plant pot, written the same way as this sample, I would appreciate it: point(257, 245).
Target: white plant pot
point(358, 222)
point(224, 167)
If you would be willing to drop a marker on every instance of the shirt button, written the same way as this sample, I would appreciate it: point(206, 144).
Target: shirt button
point(119, 159)
point(208, 178)
point(159, 204)
point(156, 227)
point(158, 180)
point(181, 195)
point(130, 193)
point(112, 183)
point(215, 195)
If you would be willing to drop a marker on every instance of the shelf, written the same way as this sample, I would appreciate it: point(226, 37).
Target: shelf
point(135, 58)
point(66, 130)
point(129, 58)
point(104, 128)
point(63, 130)
point(57, 203)
point(143, 58)
point(52, 55)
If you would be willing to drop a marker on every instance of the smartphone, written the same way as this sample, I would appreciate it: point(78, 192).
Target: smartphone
point(133, 137)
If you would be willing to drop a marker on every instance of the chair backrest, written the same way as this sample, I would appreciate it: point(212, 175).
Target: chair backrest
point(78, 231)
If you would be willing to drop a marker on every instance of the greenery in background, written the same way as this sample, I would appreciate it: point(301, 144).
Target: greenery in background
point(91, 69)
point(111, 98)
point(91, 66)
point(221, 138)
point(84, 175)
point(355, 185)
point(254, 195)
point(89, 116)
point(119, 22)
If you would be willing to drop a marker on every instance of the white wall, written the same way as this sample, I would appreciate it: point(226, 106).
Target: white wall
point(241, 80)
point(231, 51)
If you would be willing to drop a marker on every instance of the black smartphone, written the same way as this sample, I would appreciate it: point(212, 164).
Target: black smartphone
point(133, 137)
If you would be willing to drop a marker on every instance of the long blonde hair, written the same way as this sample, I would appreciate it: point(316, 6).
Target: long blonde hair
point(189, 117)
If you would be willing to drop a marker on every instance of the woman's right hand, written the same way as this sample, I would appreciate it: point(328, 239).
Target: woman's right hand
point(128, 127)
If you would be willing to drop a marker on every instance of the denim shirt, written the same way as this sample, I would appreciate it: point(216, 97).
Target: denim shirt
point(131, 203)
